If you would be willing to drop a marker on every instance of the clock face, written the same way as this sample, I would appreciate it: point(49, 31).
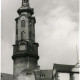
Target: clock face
point(22, 47)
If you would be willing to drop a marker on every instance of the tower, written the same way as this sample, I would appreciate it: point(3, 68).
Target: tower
point(25, 50)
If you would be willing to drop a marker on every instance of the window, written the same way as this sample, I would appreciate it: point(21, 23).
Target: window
point(22, 35)
point(42, 76)
point(24, 0)
point(22, 47)
point(23, 23)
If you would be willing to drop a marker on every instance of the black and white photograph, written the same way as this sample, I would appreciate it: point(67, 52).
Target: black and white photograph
point(40, 40)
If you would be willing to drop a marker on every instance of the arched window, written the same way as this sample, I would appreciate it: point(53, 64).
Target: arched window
point(22, 35)
point(24, 0)
point(23, 23)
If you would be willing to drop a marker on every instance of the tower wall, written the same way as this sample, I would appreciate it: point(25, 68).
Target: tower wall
point(29, 26)
point(23, 64)
point(25, 28)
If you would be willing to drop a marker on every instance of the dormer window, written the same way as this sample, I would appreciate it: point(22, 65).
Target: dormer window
point(23, 23)
point(42, 76)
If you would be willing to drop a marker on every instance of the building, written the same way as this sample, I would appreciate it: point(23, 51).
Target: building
point(62, 71)
point(5, 76)
point(25, 53)
point(25, 50)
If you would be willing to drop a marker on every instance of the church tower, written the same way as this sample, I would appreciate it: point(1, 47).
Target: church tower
point(25, 52)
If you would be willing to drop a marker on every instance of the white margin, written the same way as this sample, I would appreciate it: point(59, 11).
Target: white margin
point(0, 36)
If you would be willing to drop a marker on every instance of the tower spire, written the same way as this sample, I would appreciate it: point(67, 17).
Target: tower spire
point(25, 8)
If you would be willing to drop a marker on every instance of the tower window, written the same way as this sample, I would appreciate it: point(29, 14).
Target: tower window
point(22, 35)
point(23, 23)
point(24, 0)
point(42, 76)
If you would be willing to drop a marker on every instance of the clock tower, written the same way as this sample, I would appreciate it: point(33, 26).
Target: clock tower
point(25, 51)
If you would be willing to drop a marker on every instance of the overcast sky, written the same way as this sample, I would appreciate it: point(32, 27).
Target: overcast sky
point(56, 31)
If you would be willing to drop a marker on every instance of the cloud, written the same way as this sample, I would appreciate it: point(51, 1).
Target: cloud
point(58, 37)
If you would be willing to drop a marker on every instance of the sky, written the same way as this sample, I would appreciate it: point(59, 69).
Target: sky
point(57, 30)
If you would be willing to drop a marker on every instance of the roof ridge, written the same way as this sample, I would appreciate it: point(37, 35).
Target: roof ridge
point(47, 69)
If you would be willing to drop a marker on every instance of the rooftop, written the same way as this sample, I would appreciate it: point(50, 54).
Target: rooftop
point(63, 67)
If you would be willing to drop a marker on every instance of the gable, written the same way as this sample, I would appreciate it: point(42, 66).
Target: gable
point(43, 75)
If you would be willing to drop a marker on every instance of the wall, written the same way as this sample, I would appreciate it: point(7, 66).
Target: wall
point(22, 64)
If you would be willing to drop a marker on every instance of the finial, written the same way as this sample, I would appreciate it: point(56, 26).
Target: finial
point(25, 2)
